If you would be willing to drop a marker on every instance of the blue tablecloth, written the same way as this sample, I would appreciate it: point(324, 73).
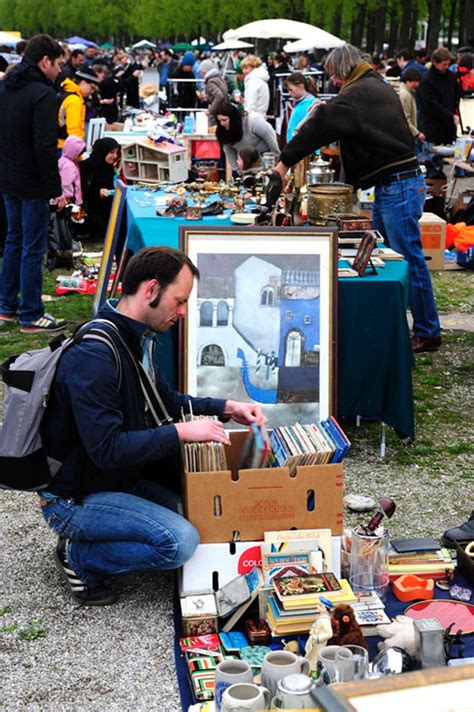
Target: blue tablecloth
point(374, 351)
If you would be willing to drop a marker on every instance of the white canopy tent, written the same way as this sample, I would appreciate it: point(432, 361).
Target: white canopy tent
point(271, 29)
point(10, 40)
point(318, 39)
point(144, 44)
point(231, 45)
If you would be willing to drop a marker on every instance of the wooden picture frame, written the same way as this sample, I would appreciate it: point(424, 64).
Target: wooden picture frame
point(110, 245)
point(419, 690)
point(261, 323)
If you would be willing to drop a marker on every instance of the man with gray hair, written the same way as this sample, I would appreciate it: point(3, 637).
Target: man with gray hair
point(377, 149)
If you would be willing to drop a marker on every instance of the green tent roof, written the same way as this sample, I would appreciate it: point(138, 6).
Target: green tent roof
point(106, 45)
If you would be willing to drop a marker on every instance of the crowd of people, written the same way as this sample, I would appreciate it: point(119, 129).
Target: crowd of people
point(109, 502)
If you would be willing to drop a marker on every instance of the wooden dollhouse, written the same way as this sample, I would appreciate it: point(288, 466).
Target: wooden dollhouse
point(151, 162)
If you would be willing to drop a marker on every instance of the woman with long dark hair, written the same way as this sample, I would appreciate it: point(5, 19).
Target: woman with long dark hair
point(236, 130)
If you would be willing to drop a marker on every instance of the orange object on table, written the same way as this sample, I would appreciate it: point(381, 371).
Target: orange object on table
point(413, 588)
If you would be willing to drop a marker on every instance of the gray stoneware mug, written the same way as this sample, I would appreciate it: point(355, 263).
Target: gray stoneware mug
point(280, 663)
point(230, 672)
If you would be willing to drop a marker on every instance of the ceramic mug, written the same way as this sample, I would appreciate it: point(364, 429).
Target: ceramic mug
point(245, 697)
point(228, 673)
point(327, 656)
point(280, 663)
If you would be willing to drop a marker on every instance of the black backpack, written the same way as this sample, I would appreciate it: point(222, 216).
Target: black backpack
point(60, 240)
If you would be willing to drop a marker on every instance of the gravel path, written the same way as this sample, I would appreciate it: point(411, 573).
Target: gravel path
point(54, 656)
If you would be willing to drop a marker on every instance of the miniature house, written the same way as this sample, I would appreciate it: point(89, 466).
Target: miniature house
point(154, 162)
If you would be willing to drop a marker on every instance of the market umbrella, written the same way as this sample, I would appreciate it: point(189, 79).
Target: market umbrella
point(8, 39)
point(144, 44)
point(181, 46)
point(318, 39)
point(79, 40)
point(230, 45)
point(271, 29)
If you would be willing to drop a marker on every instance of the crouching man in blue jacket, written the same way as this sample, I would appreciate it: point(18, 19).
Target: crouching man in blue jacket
point(108, 502)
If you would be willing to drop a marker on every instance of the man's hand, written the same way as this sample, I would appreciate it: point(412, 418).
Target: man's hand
point(201, 431)
point(456, 119)
point(244, 413)
point(60, 202)
point(421, 137)
point(282, 170)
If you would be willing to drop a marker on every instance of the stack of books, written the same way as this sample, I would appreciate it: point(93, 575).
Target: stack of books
point(422, 557)
point(313, 444)
point(292, 604)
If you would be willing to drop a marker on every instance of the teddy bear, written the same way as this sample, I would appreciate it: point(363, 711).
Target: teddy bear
point(345, 629)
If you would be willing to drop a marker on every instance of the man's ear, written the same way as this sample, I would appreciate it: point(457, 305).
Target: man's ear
point(152, 288)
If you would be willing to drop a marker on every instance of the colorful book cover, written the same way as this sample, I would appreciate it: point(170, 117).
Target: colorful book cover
point(304, 587)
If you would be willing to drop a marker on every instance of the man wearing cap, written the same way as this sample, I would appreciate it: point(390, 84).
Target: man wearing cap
point(184, 93)
point(72, 111)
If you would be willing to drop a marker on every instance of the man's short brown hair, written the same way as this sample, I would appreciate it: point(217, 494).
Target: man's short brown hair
point(160, 263)
point(441, 55)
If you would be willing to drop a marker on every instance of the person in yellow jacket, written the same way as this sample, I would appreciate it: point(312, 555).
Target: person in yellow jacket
point(72, 111)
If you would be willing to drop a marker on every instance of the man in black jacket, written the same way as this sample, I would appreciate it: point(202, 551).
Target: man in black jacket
point(377, 149)
point(438, 96)
point(29, 177)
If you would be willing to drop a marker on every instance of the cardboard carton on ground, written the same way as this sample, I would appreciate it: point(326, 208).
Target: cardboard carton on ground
point(214, 565)
point(240, 505)
point(433, 238)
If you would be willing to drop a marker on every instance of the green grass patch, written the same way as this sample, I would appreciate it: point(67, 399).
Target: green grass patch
point(33, 632)
point(453, 290)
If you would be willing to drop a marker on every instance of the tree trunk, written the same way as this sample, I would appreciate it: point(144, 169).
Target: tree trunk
point(337, 20)
point(451, 22)
point(405, 24)
point(413, 28)
point(434, 23)
point(380, 25)
point(370, 33)
point(393, 33)
point(469, 23)
point(462, 22)
point(357, 31)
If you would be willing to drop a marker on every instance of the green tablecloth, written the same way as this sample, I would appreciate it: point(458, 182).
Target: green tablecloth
point(374, 350)
point(375, 356)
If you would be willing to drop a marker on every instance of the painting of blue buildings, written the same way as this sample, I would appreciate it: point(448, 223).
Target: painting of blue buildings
point(259, 336)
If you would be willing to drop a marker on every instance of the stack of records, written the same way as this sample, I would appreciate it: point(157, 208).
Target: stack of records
point(292, 604)
point(313, 444)
point(422, 557)
point(203, 457)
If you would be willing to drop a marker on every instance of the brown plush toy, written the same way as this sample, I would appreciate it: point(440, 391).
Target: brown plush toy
point(345, 629)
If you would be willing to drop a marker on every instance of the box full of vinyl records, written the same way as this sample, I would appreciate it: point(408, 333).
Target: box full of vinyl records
point(241, 504)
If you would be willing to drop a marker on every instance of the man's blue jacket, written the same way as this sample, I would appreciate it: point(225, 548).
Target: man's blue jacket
point(97, 430)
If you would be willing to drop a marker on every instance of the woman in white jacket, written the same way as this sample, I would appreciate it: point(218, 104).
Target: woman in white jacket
point(236, 130)
point(256, 89)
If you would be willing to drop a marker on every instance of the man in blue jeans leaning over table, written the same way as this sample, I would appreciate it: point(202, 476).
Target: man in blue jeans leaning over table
point(107, 502)
point(377, 149)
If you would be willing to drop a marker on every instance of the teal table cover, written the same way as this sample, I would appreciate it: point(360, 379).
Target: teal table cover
point(375, 359)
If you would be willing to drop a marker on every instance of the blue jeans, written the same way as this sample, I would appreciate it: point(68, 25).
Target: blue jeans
point(120, 532)
point(397, 209)
point(23, 256)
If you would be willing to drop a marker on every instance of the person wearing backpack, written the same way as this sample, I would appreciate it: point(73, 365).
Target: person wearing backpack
point(29, 178)
point(111, 501)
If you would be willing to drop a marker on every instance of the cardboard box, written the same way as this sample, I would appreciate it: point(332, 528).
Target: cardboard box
point(214, 565)
point(433, 238)
point(241, 505)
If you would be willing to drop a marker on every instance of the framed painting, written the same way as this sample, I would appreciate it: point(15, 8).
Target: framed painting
point(110, 245)
point(261, 323)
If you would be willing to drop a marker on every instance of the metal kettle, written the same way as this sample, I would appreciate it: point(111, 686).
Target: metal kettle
point(319, 172)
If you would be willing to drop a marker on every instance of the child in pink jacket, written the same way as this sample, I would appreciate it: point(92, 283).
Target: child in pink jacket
point(69, 169)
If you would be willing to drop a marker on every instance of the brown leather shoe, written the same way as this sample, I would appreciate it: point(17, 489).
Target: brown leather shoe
point(419, 344)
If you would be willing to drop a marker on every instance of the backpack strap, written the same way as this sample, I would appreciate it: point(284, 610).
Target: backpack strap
point(152, 397)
